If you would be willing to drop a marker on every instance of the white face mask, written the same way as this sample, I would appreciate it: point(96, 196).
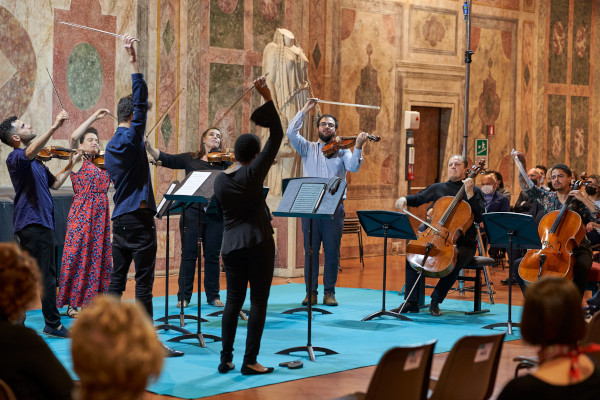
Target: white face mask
point(487, 189)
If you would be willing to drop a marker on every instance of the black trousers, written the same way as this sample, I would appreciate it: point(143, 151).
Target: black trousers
point(583, 264)
point(464, 257)
point(212, 236)
point(39, 243)
point(134, 239)
point(254, 265)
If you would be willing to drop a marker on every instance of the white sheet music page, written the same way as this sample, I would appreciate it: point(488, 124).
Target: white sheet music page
point(193, 183)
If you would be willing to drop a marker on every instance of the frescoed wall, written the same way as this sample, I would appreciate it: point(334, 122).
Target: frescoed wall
point(531, 79)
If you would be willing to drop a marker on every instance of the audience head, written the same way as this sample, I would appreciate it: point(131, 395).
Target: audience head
point(115, 350)
point(535, 176)
point(19, 281)
point(552, 313)
point(247, 146)
point(593, 185)
point(499, 179)
point(488, 183)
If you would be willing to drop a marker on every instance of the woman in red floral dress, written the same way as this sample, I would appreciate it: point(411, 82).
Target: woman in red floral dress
point(87, 255)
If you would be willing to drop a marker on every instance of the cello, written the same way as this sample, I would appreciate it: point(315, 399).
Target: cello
point(561, 231)
point(434, 252)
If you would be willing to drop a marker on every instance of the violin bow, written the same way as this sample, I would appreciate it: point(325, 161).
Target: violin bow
point(96, 30)
point(55, 91)
point(165, 113)
point(235, 104)
point(337, 103)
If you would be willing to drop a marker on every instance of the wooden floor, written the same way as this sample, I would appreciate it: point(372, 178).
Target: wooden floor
point(338, 384)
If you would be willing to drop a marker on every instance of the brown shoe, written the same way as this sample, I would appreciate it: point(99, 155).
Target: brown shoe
point(329, 300)
point(313, 300)
point(217, 303)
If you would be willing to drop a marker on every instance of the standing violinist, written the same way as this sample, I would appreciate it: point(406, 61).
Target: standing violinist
point(87, 255)
point(560, 176)
point(212, 223)
point(33, 217)
point(466, 244)
point(316, 164)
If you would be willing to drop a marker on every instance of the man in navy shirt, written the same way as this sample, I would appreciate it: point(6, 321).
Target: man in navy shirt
point(33, 217)
point(134, 232)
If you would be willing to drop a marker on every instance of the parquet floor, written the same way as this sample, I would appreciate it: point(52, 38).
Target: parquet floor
point(335, 385)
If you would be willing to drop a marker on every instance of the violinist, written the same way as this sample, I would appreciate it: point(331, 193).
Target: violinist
point(87, 255)
point(212, 224)
point(316, 164)
point(33, 218)
point(560, 176)
point(466, 244)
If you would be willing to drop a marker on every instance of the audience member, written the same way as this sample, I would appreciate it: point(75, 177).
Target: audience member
point(115, 350)
point(553, 320)
point(28, 365)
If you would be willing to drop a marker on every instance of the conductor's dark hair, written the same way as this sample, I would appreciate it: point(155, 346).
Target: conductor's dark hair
point(330, 116)
point(562, 167)
point(6, 129)
point(246, 147)
point(125, 108)
point(91, 129)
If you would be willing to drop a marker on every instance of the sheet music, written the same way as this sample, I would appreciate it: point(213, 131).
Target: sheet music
point(193, 183)
point(308, 198)
point(164, 200)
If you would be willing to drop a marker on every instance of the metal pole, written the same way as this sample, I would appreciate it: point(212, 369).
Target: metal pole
point(467, 17)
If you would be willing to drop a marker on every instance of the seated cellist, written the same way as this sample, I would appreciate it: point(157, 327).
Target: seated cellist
point(554, 200)
point(466, 244)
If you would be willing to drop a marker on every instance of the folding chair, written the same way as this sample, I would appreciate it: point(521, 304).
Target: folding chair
point(402, 373)
point(470, 369)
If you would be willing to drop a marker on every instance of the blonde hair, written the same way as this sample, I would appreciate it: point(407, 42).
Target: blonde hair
point(19, 281)
point(115, 350)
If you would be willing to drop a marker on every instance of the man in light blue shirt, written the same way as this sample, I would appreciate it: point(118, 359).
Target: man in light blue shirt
point(328, 231)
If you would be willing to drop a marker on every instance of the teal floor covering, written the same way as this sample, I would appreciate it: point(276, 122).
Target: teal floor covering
point(358, 343)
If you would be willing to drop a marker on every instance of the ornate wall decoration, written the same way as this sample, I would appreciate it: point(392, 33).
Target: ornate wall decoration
point(433, 30)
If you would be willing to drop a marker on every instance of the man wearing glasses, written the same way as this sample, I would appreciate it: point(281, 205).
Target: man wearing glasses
point(328, 231)
point(551, 201)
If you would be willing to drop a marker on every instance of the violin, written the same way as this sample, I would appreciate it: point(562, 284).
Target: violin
point(48, 153)
point(434, 251)
point(561, 231)
point(220, 156)
point(344, 142)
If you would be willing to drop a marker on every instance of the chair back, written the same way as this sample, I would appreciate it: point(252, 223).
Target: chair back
point(402, 373)
point(6, 392)
point(470, 369)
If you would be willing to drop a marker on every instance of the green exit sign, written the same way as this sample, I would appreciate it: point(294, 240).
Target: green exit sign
point(481, 147)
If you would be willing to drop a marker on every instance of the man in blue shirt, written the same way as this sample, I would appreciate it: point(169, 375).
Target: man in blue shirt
point(33, 217)
point(328, 231)
point(134, 232)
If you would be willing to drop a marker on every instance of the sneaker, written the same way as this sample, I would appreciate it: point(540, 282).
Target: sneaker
point(329, 300)
point(409, 307)
point(216, 303)
point(60, 331)
point(313, 300)
point(186, 304)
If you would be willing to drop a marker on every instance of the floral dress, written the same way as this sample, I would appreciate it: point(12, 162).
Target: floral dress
point(87, 255)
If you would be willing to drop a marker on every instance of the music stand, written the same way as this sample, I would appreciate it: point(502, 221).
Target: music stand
point(166, 207)
point(507, 229)
point(309, 198)
point(378, 223)
point(197, 187)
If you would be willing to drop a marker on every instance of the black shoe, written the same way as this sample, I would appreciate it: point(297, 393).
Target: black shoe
point(246, 370)
point(409, 307)
point(513, 281)
point(225, 367)
point(169, 352)
point(434, 309)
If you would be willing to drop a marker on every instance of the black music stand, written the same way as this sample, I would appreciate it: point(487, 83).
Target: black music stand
point(512, 230)
point(386, 224)
point(309, 198)
point(167, 207)
point(197, 187)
